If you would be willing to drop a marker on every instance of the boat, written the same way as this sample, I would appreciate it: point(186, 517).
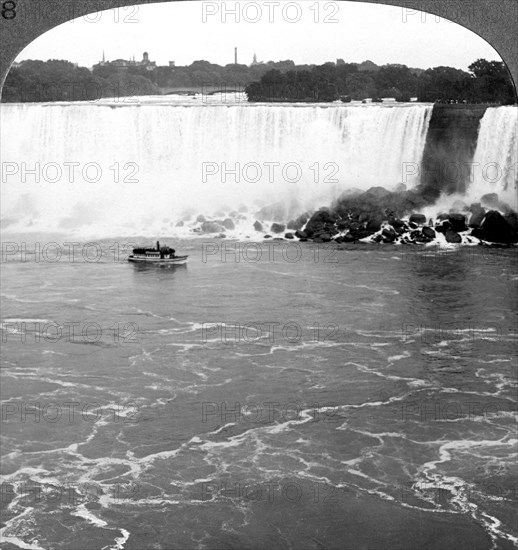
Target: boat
point(160, 255)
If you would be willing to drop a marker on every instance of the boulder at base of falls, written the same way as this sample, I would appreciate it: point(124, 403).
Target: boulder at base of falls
point(452, 237)
point(320, 222)
point(495, 229)
point(477, 215)
point(277, 228)
point(288, 235)
point(201, 219)
point(299, 222)
point(419, 219)
point(258, 226)
point(323, 238)
point(512, 220)
point(374, 224)
point(301, 235)
point(457, 222)
point(211, 227)
point(389, 234)
point(429, 233)
point(228, 224)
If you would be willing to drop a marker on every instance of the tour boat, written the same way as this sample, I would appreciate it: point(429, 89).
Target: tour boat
point(164, 255)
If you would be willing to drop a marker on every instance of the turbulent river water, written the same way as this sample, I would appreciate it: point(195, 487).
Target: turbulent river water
point(300, 397)
point(277, 394)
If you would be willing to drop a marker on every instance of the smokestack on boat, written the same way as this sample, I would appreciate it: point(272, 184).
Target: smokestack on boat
point(158, 245)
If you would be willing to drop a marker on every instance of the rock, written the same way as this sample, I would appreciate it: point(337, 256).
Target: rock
point(201, 219)
point(343, 225)
point(258, 226)
point(477, 215)
point(399, 225)
point(400, 188)
point(323, 238)
point(443, 216)
point(299, 222)
point(267, 236)
point(277, 228)
point(361, 234)
point(413, 225)
point(374, 224)
point(301, 234)
point(320, 221)
point(496, 229)
point(349, 238)
point(491, 200)
point(443, 227)
point(452, 236)
point(458, 222)
point(378, 192)
point(512, 220)
point(228, 224)
point(180, 224)
point(419, 219)
point(389, 234)
point(288, 235)
point(211, 227)
point(221, 236)
point(429, 233)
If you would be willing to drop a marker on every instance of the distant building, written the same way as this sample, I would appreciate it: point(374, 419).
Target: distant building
point(172, 64)
point(255, 62)
point(124, 64)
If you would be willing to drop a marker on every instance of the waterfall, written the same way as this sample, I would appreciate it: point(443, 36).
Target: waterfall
point(495, 163)
point(98, 169)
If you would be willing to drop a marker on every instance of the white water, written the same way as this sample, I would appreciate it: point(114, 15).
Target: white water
point(496, 156)
point(327, 148)
point(494, 166)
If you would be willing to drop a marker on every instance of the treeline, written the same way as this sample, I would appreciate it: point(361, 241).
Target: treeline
point(56, 80)
point(487, 82)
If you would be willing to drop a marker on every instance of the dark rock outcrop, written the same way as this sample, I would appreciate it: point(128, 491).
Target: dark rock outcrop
point(429, 233)
point(419, 219)
point(477, 215)
point(288, 235)
point(302, 235)
point(496, 229)
point(277, 228)
point(258, 226)
point(457, 222)
point(322, 221)
point(299, 222)
point(201, 219)
point(512, 220)
point(452, 236)
point(228, 224)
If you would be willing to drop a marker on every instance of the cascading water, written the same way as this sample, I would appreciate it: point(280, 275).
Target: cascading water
point(495, 164)
point(155, 162)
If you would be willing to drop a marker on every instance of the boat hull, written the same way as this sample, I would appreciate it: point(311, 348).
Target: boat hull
point(179, 260)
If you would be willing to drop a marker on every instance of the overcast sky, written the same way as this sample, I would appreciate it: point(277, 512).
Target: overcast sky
point(304, 32)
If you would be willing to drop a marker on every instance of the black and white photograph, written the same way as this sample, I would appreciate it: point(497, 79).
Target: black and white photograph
point(259, 275)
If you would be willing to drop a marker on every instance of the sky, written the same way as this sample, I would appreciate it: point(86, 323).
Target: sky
point(305, 31)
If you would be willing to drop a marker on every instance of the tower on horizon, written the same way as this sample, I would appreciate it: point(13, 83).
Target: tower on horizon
point(235, 56)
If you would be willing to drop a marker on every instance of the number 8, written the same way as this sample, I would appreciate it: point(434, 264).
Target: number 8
point(9, 10)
